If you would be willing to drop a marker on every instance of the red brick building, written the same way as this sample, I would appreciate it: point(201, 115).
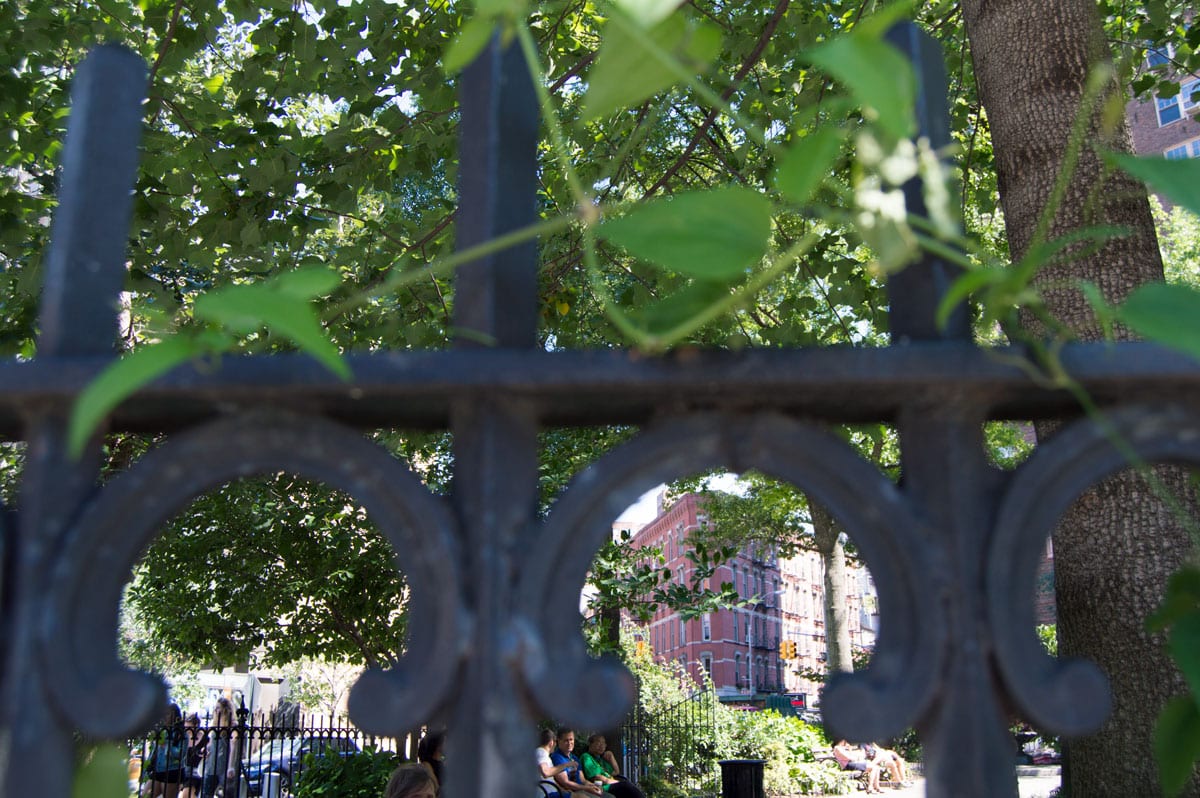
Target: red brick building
point(1167, 126)
point(739, 648)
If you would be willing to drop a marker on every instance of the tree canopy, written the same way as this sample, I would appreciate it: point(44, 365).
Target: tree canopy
point(307, 149)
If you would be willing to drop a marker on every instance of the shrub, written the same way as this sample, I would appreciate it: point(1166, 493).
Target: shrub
point(362, 775)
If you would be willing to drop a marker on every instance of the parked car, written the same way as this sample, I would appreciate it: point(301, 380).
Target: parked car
point(286, 757)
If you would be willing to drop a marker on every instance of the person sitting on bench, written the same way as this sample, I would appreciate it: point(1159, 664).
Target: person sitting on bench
point(890, 761)
point(849, 758)
point(571, 779)
point(600, 767)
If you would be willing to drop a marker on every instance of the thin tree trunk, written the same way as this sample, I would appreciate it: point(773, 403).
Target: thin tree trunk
point(1117, 545)
point(828, 540)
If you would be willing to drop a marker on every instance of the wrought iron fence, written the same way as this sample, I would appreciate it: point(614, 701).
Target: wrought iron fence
point(676, 744)
point(249, 754)
point(954, 549)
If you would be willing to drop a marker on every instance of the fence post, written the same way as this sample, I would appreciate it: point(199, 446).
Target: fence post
point(742, 778)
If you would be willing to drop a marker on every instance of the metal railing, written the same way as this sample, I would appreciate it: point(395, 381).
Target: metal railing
point(954, 549)
point(247, 751)
point(676, 745)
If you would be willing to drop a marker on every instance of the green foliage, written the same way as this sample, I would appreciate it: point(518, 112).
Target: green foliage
point(1048, 634)
point(362, 775)
point(273, 568)
point(1177, 733)
point(1179, 242)
point(1168, 314)
point(789, 745)
point(1178, 181)
point(638, 60)
point(284, 134)
point(103, 774)
point(716, 234)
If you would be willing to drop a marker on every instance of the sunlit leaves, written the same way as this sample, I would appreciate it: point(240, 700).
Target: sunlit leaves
point(806, 163)
point(713, 235)
point(878, 76)
point(635, 63)
point(281, 305)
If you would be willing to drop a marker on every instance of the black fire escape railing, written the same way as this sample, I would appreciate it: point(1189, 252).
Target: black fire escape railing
point(954, 550)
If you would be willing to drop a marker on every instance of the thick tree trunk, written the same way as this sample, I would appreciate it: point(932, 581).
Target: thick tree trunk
point(828, 540)
point(1117, 545)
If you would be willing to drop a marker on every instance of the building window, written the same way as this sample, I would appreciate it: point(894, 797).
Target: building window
point(1168, 110)
point(1172, 109)
point(1188, 149)
point(1158, 56)
point(736, 626)
point(706, 627)
point(706, 664)
point(737, 669)
point(682, 632)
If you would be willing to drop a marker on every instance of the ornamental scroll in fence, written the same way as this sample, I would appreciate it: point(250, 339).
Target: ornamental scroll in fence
point(954, 548)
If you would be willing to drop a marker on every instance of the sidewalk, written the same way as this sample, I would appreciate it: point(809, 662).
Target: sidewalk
point(1032, 782)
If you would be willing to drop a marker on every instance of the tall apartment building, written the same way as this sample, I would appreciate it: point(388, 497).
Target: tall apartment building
point(739, 648)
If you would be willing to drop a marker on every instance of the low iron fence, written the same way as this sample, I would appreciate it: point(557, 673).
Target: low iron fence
point(260, 755)
point(676, 744)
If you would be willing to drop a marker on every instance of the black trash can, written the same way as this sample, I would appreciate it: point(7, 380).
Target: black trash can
point(742, 778)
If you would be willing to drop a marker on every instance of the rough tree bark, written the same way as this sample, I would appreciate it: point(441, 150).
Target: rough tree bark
point(1117, 545)
point(828, 541)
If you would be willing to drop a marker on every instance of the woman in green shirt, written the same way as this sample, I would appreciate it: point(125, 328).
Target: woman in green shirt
point(600, 767)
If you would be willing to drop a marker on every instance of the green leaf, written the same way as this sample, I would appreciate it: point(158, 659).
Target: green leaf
point(633, 65)
point(966, 285)
point(308, 282)
point(1177, 180)
point(877, 74)
point(1184, 644)
point(214, 84)
point(1099, 305)
point(468, 44)
point(1177, 743)
point(680, 307)
point(715, 234)
point(1166, 314)
point(647, 13)
point(1182, 598)
point(118, 381)
point(247, 308)
point(807, 161)
point(104, 775)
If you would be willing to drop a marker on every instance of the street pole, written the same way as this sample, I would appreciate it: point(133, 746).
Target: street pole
point(750, 650)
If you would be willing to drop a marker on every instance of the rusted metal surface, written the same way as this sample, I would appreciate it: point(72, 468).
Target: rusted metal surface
point(495, 638)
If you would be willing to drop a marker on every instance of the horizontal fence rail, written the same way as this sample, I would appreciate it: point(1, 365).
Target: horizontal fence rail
point(245, 758)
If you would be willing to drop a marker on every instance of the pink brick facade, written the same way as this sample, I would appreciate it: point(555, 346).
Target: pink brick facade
point(1152, 138)
point(739, 647)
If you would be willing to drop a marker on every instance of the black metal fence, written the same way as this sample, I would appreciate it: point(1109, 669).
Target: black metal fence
point(676, 744)
point(261, 755)
point(954, 549)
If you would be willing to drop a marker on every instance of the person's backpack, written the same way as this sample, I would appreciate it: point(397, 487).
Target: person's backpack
point(168, 753)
